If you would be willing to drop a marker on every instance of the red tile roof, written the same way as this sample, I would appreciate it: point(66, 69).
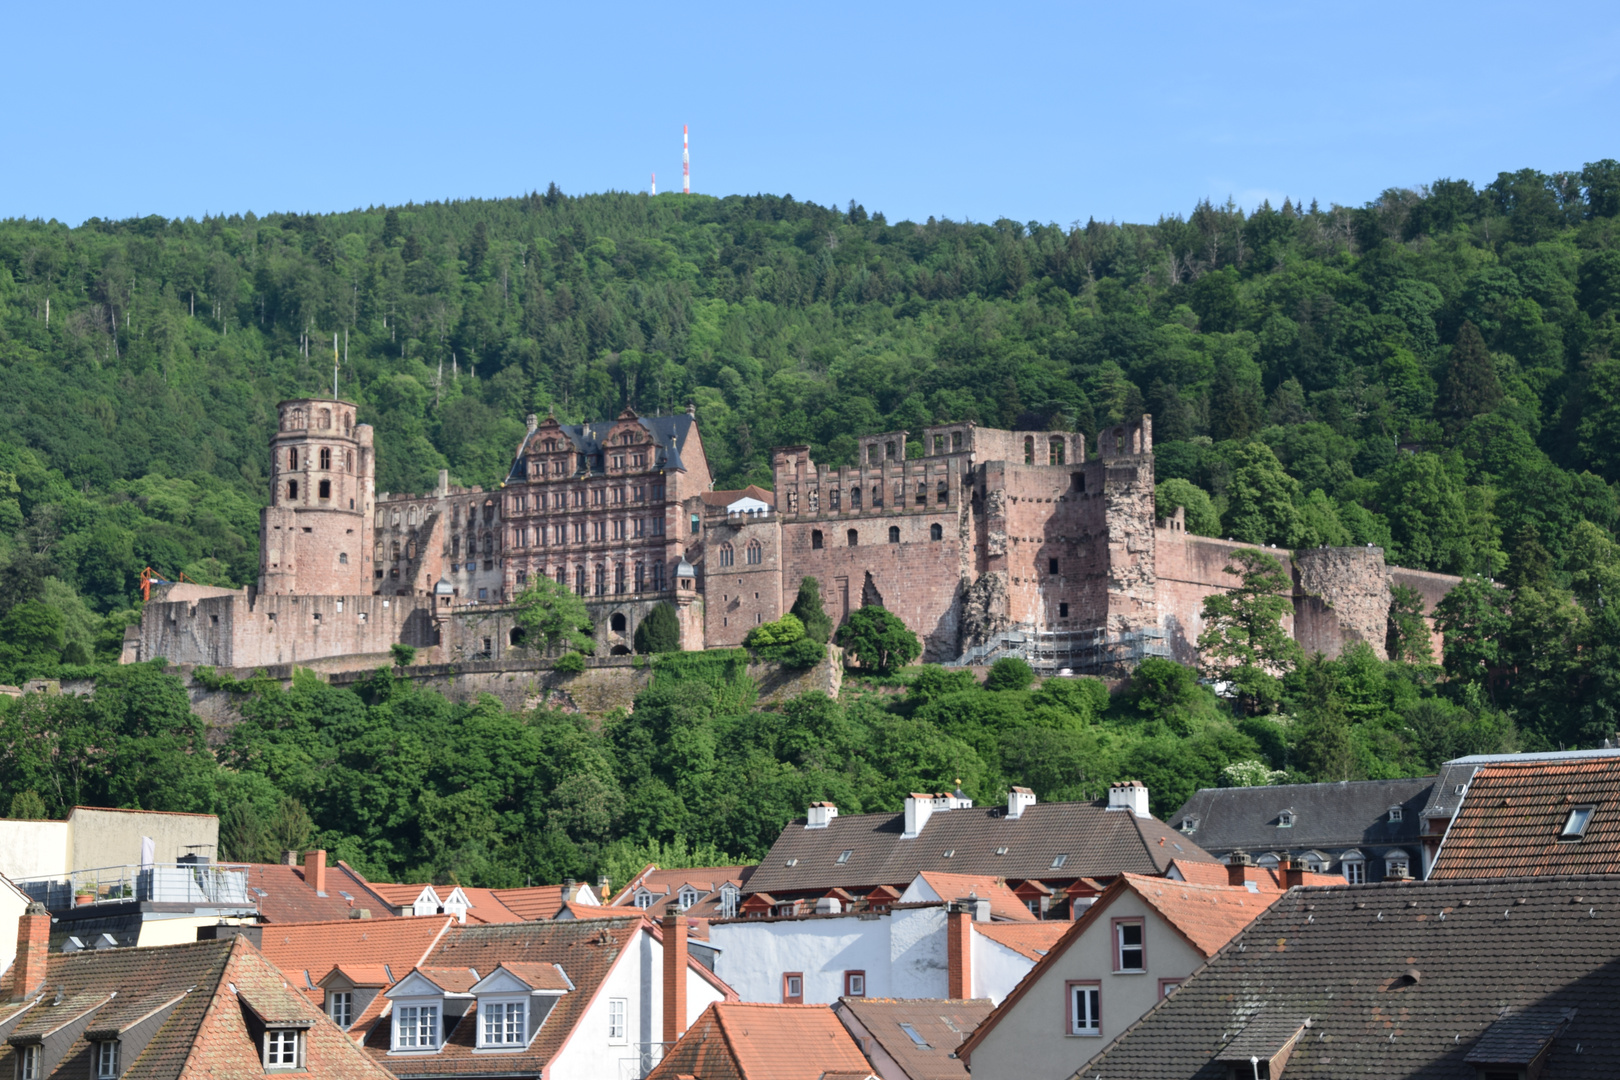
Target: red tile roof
point(942, 1023)
point(533, 902)
point(1031, 939)
point(1004, 903)
point(356, 944)
point(487, 906)
point(538, 976)
point(1266, 878)
point(665, 885)
point(285, 896)
point(741, 1041)
point(1514, 814)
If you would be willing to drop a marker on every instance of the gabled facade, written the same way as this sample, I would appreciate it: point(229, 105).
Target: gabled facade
point(737, 1041)
point(701, 892)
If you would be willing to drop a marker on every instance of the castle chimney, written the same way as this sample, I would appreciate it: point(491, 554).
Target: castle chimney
point(315, 871)
point(959, 948)
point(1237, 866)
point(674, 976)
point(33, 952)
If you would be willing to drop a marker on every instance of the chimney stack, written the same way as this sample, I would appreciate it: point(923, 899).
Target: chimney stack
point(674, 977)
point(820, 815)
point(1129, 795)
point(1293, 873)
point(33, 952)
point(959, 948)
point(1018, 799)
point(289, 858)
point(315, 871)
point(1237, 869)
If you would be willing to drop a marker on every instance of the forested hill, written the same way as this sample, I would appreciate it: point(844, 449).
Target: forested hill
point(1436, 371)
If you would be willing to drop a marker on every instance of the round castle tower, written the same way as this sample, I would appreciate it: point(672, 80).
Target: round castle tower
point(315, 536)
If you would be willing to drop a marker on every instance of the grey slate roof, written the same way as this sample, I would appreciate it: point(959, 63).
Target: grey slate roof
point(1398, 980)
point(1352, 813)
point(1098, 842)
point(668, 434)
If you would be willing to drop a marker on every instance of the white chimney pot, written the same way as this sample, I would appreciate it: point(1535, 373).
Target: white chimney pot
point(1129, 795)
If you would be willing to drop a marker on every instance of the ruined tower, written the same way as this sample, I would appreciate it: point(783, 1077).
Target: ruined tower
point(314, 537)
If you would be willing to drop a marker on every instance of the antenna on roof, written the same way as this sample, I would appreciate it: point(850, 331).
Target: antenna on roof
point(334, 365)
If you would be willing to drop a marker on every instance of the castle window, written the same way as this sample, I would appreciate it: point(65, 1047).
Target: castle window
point(658, 577)
point(601, 580)
point(1051, 566)
point(696, 524)
point(489, 544)
point(815, 539)
point(942, 494)
point(854, 538)
point(394, 551)
point(726, 555)
point(579, 580)
point(489, 511)
point(326, 419)
point(597, 497)
point(1029, 449)
point(1063, 611)
point(641, 576)
point(956, 440)
point(411, 518)
point(410, 551)
point(888, 451)
point(833, 499)
point(292, 458)
point(854, 498)
point(326, 457)
point(326, 489)
point(922, 496)
point(348, 460)
point(343, 558)
point(894, 534)
point(936, 532)
point(754, 553)
point(1079, 480)
point(618, 580)
point(292, 489)
point(1054, 451)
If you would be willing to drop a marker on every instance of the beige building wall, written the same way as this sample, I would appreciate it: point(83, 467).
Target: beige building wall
point(33, 849)
point(1031, 1041)
point(13, 902)
point(100, 837)
point(180, 931)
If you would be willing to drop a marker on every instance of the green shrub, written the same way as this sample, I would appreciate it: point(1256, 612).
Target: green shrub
point(571, 663)
point(878, 640)
point(404, 655)
point(808, 610)
point(784, 631)
point(1009, 673)
point(659, 632)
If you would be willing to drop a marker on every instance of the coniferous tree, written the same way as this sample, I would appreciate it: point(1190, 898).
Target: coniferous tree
point(659, 632)
point(807, 606)
point(1470, 386)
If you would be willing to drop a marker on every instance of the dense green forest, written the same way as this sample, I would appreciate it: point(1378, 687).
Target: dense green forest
point(1436, 372)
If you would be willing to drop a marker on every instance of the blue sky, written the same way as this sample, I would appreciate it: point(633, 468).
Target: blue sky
point(1045, 112)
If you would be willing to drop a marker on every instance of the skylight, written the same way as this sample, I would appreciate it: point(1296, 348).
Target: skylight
point(950, 854)
point(345, 895)
point(911, 1033)
point(843, 856)
point(1001, 851)
point(1057, 863)
point(1575, 824)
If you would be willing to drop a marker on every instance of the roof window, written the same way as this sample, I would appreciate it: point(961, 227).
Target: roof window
point(843, 856)
point(911, 1033)
point(1057, 863)
point(1285, 820)
point(793, 862)
point(1001, 851)
point(951, 854)
point(1575, 824)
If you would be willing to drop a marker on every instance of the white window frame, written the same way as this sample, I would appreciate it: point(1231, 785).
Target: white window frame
point(1355, 871)
point(618, 1021)
point(282, 1038)
point(1396, 814)
point(687, 897)
point(28, 1063)
point(1085, 1009)
point(644, 899)
point(340, 1007)
point(432, 1028)
point(1120, 946)
point(728, 901)
point(505, 1017)
point(107, 1059)
point(1393, 861)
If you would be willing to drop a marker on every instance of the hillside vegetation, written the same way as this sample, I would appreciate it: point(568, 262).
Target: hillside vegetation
point(1436, 372)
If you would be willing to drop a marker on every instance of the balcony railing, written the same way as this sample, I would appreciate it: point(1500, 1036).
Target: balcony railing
point(161, 883)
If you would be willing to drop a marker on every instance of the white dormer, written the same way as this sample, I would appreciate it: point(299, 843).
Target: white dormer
point(686, 897)
point(729, 895)
point(457, 904)
point(1018, 799)
point(422, 1002)
point(427, 902)
point(513, 1002)
point(646, 898)
point(919, 808)
point(1129, 795)
point(821, 815)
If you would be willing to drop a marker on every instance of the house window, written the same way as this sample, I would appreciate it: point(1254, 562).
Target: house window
point(618, 1020)
point(686, 898)
point(283, 1049)
point(1285, 820)
point(503, 1023)
point(1057, 863)
point(1394, 814)
point(915, 1036)
point(843, 856)
point(1085, 1008)
point(1314, 864)
point(1396, 866)
point(815, 539)
point(936, 532)
point(1575, 824)
point(894, 534)
point(644, 899)
point(107, 1059)
point(1168, 987)
point(1355, 871)
point(793, 988)
point(1130, 953)
point(416, 1027)
point(28, 1063)
point(340, 1007)
point(854, 984)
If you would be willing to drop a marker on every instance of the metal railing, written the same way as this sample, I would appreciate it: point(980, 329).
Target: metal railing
point(641, 1060)
point(162, 883)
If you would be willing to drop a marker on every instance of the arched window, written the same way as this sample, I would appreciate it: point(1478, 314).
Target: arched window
point(489, 511)
point(455, 547)
point(393, 551)
point(489, 544)
point(935, 532)
point(562, 576)
point(601, 579)
point(410, 518)
point(894, 534)
point(348, 461)
point(579, 581)
point(726, 555)
point(854, 538)
point(754, 553)
point(516, 636)
point(343, 558)
point(1029, 449)
point(376, 553)
point(410, 550)
point(618, 578)
point(833, 499)
point(292, 489)
point(854, 498)
point(326, 419)
point(617, 622)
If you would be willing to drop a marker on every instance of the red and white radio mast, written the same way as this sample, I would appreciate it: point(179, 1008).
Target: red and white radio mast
point(686, 163)
point(654, 183)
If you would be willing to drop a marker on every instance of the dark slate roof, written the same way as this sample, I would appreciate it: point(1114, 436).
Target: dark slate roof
point(1349, 813)
point(668, 433)
point(1098, 842)
point(1398, 980)
point(1513, 819)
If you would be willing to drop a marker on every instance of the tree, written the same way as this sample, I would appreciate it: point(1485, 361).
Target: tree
point(550, 612)
point(811, 614)
point(878, 640)
point(1470, 386)
point(27, 806)
point(1408, 636)
point(1243, 642)
point(1260, 498)
point(404, 655)
point(32, 635)
point(1169, 495)
point(1009, 673)
point(1473, 618)
point(659, 632)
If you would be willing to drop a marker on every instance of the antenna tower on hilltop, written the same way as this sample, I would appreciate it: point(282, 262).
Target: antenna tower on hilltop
point(686, 163)
point(655, 183)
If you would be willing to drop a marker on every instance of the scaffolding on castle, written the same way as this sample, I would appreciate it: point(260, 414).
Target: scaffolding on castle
point(1079, 652)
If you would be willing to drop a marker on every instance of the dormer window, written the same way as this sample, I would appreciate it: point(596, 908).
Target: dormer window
point(28, 1063)
point(107, 1059)
point(687, 897)
point(1189, 825)
point(1285, 820)
point(1575, 824)
point(416, 1027)
point(502, 1023)
point(1394, 815)
point(283, 1049)
point(340, 1007)
point(644, 899)
point(728, 902)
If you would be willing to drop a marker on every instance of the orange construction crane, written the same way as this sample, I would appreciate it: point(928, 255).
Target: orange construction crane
point(148, 576)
